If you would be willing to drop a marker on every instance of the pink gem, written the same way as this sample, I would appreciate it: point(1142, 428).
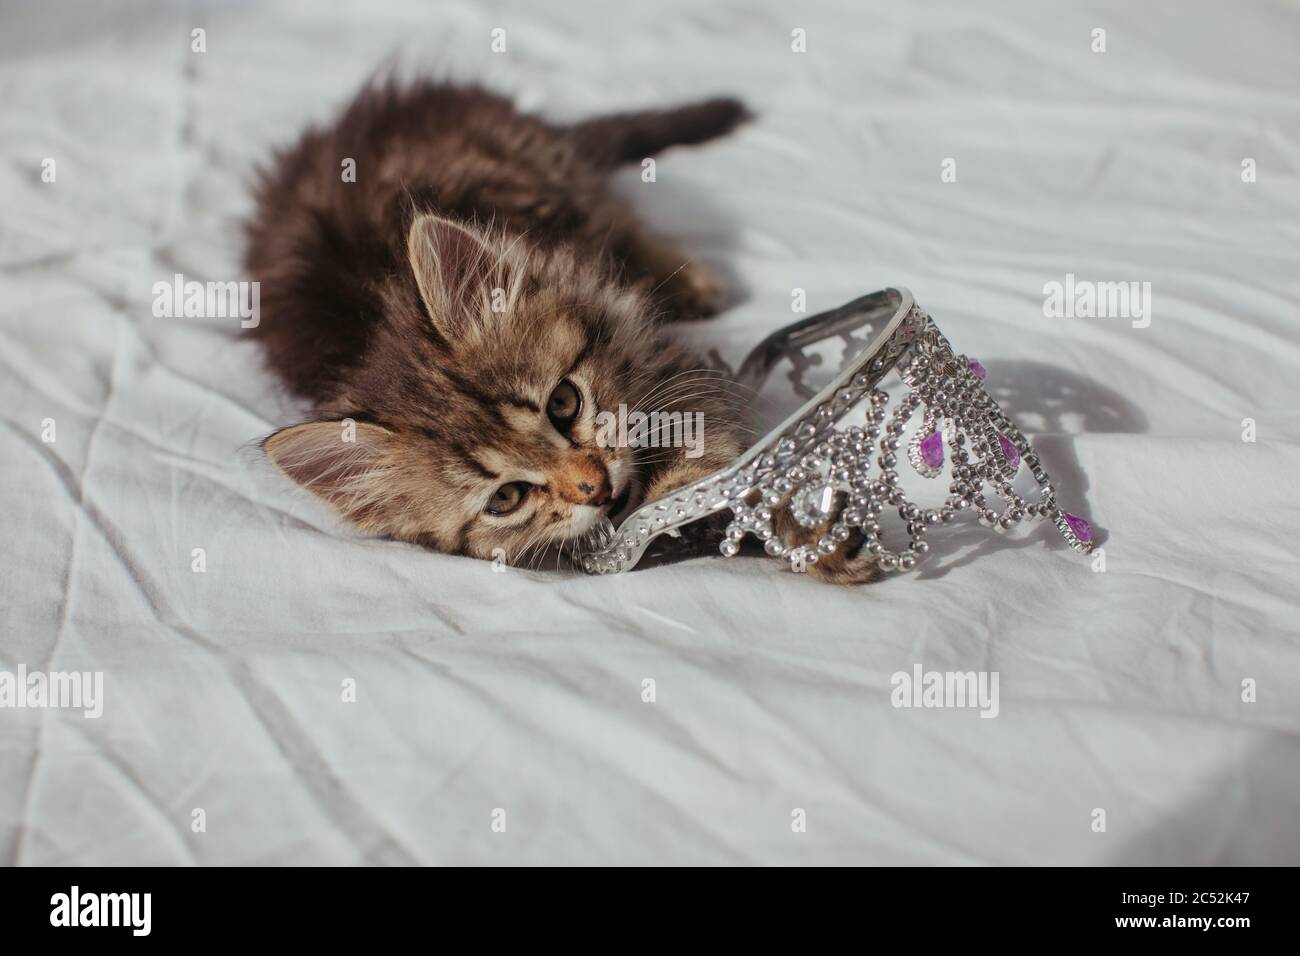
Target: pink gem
point(932, 449)
point(980, 371)
point(1082, 530)
point(1009, 451)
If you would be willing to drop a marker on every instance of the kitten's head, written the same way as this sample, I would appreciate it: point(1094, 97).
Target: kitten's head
point(469, 424)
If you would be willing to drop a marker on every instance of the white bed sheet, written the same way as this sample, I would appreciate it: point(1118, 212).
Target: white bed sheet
point(478, 690)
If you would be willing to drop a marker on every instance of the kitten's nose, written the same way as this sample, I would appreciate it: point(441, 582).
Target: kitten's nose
point(598, 496)
point(590, 482)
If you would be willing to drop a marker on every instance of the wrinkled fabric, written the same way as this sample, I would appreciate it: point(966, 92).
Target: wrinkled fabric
point(478, 692)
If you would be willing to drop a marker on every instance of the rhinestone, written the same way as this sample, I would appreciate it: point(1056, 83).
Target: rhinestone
point(931, 449)
point(1082, 530)
point(1009, 451)
point(812, 505)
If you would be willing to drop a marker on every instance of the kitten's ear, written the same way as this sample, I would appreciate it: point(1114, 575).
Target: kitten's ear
point(342, 462)
point(455, 269)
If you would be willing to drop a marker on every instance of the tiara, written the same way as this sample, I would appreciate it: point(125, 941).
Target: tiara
point(829, 472)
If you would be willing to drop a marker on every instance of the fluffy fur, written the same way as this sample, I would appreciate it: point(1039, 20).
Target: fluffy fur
point(431, 309)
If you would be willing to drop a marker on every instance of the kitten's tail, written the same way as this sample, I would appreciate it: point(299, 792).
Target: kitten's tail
point(608, 141)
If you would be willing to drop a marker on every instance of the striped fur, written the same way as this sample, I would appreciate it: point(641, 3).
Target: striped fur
point(430, 308)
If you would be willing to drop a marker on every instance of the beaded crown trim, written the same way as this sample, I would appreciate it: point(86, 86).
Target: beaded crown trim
point(843, 477)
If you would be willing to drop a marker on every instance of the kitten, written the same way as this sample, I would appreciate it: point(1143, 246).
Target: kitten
point(462, 310)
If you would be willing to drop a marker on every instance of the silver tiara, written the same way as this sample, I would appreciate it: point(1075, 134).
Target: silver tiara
point(830, 472)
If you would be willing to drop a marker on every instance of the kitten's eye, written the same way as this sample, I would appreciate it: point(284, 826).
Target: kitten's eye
point(508, 497)
point(563, 405)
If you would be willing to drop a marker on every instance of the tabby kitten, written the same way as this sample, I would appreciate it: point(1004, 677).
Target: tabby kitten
point(461, 312)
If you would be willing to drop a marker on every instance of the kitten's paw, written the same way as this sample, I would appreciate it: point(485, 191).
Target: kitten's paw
point(849, 564)
point(722, 450)
point(846, 566)
point(674, 478)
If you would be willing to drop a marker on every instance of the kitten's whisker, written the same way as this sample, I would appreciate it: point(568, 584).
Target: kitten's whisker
point(689, 371)
point(669, 277)
point(683, 396)
point(701, 375)
point(530, 542)
point(537, 549)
